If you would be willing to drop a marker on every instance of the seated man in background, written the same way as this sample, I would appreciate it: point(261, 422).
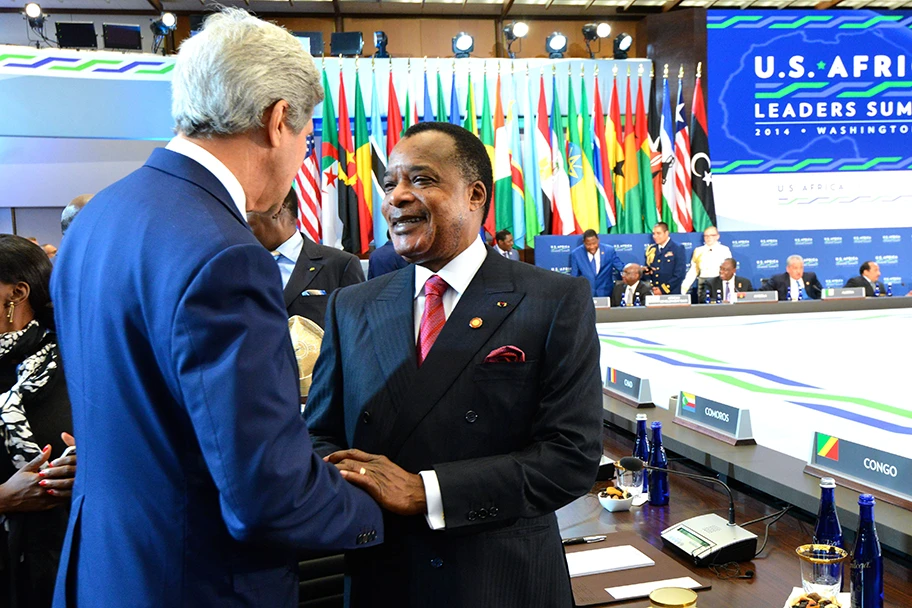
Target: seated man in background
point(630, 286)
point(503, 245)
point(727, 284)
point(795, 284)
point(867, 278)
point(310, 271)
point(384, 259)
point(705, 262)
point(664, 262)
point(596, 263)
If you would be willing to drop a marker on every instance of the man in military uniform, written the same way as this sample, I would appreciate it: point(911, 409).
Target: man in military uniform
point(664, 262)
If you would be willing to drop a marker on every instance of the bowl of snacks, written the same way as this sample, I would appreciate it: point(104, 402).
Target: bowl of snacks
point(613, 499)
point(799, 599)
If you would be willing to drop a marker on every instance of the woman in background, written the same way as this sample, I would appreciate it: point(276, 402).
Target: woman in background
point(34, 420)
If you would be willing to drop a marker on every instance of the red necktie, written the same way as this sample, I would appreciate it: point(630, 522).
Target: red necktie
point(433, 319)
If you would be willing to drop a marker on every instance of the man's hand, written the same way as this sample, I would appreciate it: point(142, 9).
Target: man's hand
point(394, 488)
point(656, 291)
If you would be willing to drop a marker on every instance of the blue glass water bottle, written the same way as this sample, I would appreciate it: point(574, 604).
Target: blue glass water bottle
point(889, 290)
point(658, 480)
point(641, 448)
point(828, 530)
point(708, 296)
point(718, 296)
point(788, 294)
point(866, 582)
point(876, 290)
point(636, 299)
point(623, 302)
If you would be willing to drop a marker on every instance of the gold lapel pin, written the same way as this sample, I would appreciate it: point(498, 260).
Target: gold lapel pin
point(501, 304)
point(312, 268)
point(475, 323)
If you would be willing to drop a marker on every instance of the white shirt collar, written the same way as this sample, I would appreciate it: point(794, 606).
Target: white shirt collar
point(215, 167)
point(633, 287)
point(459, 272)
point(291, 248)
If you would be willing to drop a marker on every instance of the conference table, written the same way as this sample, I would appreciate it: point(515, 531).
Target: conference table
point(776, 569)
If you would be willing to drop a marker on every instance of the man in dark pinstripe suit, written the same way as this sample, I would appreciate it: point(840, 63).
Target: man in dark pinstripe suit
point(473, 438)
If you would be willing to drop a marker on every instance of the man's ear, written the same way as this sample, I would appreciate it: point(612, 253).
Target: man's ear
point(478, 196)
point(275, 121)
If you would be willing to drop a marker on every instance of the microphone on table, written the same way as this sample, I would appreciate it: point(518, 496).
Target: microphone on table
point(632, 463)
point(705, 538)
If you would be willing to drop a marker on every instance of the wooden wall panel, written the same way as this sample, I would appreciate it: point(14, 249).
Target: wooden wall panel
point(679, 37)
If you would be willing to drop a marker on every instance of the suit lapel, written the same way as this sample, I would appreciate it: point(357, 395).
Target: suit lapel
point(305, 271)
point(390, 317)
point(457, 344)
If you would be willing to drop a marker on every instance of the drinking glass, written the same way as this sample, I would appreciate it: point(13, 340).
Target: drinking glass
point(821, 569)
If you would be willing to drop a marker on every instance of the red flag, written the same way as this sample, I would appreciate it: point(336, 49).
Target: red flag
point(348, 176)
point(393, 119)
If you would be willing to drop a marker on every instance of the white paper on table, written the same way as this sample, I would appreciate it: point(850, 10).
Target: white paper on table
point(844, 599)
point(643, 589)
point(609, 559)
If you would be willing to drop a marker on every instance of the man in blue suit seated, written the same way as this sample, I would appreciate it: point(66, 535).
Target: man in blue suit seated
point(463, 392)
point(665, 265)
point(197, 483)
point(597, 263)
point(384, 259)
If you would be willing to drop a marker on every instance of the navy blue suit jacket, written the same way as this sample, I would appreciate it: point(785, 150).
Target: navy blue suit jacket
point(384, 259)
point(196, 483)
point(610, 268)
point(510, 442)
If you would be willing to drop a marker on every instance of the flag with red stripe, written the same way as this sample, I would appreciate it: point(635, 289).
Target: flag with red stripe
point(308, 189)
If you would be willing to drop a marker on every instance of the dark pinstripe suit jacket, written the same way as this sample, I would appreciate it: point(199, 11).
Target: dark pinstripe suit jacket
point(510, 442)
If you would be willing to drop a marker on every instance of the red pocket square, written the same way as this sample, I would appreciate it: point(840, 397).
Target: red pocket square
point(506, 354)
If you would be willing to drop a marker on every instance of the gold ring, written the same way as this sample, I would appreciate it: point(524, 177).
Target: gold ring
point(363, 471)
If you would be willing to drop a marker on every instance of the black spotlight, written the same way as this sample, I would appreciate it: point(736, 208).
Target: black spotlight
point(622, 44)
point(161, 27)
point(35, 16)
point(463, 44)
point(512, 32)
point(556, 45)
point(593, 32)
point(380, 41)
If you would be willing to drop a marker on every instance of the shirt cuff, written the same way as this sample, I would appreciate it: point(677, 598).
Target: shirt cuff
point(434, 515)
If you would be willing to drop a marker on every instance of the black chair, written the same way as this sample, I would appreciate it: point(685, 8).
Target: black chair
point(321, 582)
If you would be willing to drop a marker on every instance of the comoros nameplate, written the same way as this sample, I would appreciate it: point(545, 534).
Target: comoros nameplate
point(727, 423)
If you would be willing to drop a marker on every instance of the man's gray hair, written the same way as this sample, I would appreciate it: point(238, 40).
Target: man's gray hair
point(794, 259)
point(227, 76)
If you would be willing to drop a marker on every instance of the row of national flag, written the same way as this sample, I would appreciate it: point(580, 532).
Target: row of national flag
point(564, 170)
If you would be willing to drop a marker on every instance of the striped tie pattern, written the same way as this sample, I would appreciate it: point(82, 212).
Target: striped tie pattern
point(433, 318)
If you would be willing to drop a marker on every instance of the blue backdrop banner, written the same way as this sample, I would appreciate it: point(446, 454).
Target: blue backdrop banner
point(835, 255)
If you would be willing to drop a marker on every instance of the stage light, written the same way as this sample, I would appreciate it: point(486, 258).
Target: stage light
point(622, 44)
point(380, 41)
point(35, 16)
point(164, 25)
point(556, 45)
point(512, 32)
point(463, 44)
point(593, 32)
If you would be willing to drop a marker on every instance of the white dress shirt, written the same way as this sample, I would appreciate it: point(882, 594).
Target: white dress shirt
point(215, 167)
point(458, 273)
point(287, 254)
point(597, 257)
point(705, 263)
point(796, 286)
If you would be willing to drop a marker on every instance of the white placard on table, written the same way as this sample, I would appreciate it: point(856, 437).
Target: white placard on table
point(609, 559)
point(643, 589)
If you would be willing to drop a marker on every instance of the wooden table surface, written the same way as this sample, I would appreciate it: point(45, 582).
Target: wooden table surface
point(776, 569)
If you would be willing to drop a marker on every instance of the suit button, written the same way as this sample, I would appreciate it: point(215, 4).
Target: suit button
point(360, 539)
point(471, 516)
point(471, 416)
point(366, 417)
point(372, 536)
point(436, 563)
point(492, 511)
point(482, 513)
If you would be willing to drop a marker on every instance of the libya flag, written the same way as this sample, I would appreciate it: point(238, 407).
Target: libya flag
point(702, 202)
